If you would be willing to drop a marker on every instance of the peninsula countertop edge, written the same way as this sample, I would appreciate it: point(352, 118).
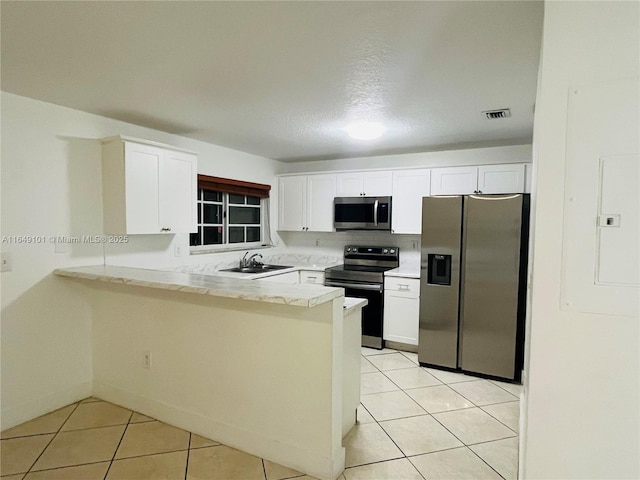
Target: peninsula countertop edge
point(217, 286)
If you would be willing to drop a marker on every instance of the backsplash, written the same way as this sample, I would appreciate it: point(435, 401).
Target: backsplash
point(299, 260)
point(333, 243)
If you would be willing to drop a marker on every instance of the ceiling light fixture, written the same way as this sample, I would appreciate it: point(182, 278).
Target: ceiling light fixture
point(365, 130)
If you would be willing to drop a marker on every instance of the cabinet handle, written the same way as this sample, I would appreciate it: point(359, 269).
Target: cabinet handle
point(165, 229)
point(479, 191)
point(402, 286)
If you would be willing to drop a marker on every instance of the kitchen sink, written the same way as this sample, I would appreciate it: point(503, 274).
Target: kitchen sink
point(257, 268)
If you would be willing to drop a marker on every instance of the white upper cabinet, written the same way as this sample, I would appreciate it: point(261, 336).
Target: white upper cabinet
point(306, 203)
point(178, 192)
point(148, 188)
point(409, 186)
point(501, 178)
point(454, 181)
point(292, 203)
point(321, 190)
point(359, 184)
point(489, 179)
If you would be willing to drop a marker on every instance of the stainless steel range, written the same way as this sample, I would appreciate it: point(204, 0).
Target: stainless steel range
point(362, 276)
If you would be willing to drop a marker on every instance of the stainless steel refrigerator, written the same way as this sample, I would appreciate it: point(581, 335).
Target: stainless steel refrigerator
point(473, 283)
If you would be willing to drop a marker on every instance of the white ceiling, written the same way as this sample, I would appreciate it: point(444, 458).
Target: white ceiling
point(282, 79)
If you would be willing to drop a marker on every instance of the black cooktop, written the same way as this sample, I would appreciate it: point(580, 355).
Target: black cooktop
point(364, 264)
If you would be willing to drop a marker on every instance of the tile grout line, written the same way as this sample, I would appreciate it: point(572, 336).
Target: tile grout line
point(118, 446)
point(186, 466)
point(386, 433)
point(464, 445)
point(486, 463)
point(264, 469)
point(52, 438)
point(498, 420)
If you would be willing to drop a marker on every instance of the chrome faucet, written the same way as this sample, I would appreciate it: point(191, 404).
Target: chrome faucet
point(251, 261)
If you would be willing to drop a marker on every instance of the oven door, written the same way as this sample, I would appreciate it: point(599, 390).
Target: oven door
point(371, 313)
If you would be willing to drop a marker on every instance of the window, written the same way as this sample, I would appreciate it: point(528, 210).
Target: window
point(230, 212)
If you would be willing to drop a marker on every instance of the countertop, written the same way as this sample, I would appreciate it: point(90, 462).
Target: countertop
point(351, 303)
point(215, 285)
point(404, 271)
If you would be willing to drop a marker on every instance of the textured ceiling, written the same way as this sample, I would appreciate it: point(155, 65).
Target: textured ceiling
point(282, 79)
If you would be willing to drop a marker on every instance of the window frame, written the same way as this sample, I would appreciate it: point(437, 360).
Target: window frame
point(228, 188)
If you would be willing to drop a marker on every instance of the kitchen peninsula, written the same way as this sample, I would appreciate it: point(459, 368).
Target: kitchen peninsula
point(270, 369)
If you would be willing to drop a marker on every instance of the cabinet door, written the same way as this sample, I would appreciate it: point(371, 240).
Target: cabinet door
point(377, 184)
point(454, 181)
point(349, 184)
point(292, 203)
point(289, 278)
point(142, 188)
point(321, 189)
point(409, 186)
point(401, 313)
point(312, 277)
point(178, 192)
point(508, 178)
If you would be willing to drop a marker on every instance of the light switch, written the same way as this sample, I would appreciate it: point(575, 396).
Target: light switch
point(609, 220)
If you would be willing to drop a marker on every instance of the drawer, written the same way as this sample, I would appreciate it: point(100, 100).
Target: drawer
point(398, 284)
point(313, 277)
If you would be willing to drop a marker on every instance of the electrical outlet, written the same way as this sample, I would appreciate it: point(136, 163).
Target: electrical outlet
point(146, 360)
point(6, 262)
point(177, 249)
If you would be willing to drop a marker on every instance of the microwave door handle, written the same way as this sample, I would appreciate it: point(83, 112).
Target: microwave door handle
point(375, 212)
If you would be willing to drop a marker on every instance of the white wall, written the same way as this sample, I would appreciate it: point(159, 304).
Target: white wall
point(279, 395)
point(582, 399)
point(51, 185)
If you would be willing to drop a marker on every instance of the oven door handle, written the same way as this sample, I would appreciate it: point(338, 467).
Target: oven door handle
point(356, 286)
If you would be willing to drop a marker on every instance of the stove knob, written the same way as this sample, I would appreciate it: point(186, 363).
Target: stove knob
point(392, 251)
point(348, 249)
point(385, 251)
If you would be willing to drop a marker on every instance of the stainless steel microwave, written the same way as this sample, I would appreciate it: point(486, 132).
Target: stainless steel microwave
point(362, 213)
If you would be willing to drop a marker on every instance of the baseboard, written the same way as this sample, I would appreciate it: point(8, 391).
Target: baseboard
point(288, 455)
point(405, 347)
point(15, 415)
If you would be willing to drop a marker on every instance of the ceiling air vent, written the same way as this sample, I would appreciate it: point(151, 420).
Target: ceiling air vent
point(493, 114)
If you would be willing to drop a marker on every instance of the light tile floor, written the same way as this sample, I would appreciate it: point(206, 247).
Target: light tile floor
point(413, 423)
point(422, 423)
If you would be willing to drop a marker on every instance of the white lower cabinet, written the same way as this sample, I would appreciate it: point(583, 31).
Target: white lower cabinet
point(311, 277)
point(289, 278)
point(401, 310)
